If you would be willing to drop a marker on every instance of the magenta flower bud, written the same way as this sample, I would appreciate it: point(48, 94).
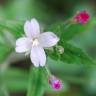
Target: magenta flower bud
point(55, 83)
point(81, 17)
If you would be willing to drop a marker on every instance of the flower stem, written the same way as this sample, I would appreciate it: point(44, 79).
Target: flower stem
point(47, 70)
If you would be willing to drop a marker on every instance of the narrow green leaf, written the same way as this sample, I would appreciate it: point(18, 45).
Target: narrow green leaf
point(71, 55)
point(36, 82)
point(15, 27)
point(75, 55)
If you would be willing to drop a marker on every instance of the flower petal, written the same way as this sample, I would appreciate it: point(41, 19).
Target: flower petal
point(32, 28)
point(35, 27)
point(22, 41)
point(48, 39)
point(28, 29)
point(23, 44)
point(21, 49)
point(38, 56)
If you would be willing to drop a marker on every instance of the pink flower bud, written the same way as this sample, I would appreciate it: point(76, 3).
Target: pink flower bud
point(81, 17)
point(55, 83)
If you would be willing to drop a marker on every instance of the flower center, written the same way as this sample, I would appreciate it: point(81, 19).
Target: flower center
point(35, 42)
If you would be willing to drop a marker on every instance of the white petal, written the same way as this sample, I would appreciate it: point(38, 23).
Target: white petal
point(38, 56)
point(23, 45)
point(35, 27)
point(48, 39)
point(22, 41)
point(28, 29)
point(21, 49)
point(32, 28)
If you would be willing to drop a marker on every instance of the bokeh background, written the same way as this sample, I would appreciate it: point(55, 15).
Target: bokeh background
point(78, 80)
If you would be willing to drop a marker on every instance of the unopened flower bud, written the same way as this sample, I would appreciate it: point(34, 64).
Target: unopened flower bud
point(55, 83)
point(61, 49)
point(81, 17)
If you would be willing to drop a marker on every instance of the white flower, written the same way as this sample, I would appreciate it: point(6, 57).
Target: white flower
point(34, 42)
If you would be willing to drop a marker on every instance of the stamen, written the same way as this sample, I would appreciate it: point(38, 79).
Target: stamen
point(35, 42)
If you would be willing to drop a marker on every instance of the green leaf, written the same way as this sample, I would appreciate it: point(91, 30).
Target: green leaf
point(15, 27)
point(75, 55)
point(71, 55)
point(36, 82)
point(67, 30)
point(10, 30)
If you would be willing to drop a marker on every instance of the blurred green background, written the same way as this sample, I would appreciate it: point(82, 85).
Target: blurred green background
point(78, 80)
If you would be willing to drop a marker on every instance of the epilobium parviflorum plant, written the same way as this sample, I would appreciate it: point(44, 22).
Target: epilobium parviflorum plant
point(48, 49)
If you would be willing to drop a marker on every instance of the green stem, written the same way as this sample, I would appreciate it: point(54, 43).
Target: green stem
point(47, 70)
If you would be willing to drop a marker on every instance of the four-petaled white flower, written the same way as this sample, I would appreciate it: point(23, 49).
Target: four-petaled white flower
point(34, 42)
